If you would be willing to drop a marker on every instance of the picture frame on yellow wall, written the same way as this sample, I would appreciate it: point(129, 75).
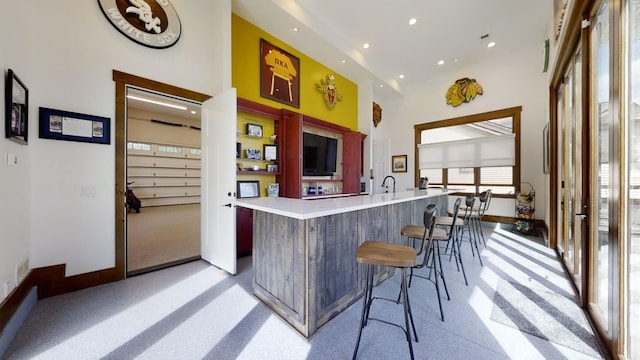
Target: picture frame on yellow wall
point(279, 75)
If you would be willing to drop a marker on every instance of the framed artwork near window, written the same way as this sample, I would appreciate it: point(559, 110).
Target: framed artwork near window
point(399, 163)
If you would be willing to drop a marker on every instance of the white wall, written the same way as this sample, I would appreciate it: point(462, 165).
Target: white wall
point(65, 51)
point(517, 80)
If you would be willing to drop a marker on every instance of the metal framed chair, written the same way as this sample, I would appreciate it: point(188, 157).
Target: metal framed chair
point(428, 253)
point(478, 213)
point(372, 253)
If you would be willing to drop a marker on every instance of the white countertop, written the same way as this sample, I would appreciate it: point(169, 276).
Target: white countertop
point(309, 209)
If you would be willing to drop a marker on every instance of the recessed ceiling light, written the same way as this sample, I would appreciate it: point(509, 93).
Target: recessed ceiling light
point(441, 62)
point(366, 45)
point(401, 76)
point(456, 60)
point(295, 29)
point(412, 21)
point(381, 85)
point(193, 112)
point(491, 44)
point(344, 61)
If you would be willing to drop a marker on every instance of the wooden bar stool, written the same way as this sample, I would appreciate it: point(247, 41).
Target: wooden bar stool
point(453, 225)
point(429, 253)
point(372, 253)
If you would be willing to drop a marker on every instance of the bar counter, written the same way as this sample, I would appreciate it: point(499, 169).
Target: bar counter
point(304, 250)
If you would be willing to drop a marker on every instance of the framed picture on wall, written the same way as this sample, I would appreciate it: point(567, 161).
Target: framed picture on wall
point(254, 130)
point(279, 75)
point(270, 152)
point(248, 189)
point(399, 163)
point(16, 109)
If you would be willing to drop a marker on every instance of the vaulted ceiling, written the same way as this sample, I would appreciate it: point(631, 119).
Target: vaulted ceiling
point(333, 32)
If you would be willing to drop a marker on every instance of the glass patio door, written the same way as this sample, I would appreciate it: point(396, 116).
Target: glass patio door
point(602, 207)
point(573, 172)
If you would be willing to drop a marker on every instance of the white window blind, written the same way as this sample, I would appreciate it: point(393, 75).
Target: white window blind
point(498, 150)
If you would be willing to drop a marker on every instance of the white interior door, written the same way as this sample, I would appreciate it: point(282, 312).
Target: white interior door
point(381, 164)
point(218, 222)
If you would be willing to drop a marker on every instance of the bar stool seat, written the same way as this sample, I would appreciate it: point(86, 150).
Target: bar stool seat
point(372, 253)
point(447, 220)
point(417, 231)
point(429, 251)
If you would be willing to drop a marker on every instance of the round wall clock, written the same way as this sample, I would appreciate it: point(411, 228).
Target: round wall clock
point(152, 23)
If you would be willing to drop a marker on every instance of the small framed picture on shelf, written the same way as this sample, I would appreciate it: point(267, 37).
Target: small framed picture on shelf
point(254, 130)
point(238, 150)
point(254, 154)
point(272, 168)
point(248, 189)
point(270, 152)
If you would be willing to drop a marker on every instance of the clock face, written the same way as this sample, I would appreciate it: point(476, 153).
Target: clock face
point(152, 23)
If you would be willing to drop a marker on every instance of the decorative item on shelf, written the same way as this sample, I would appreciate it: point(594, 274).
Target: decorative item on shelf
point(329, 91)
point(254, 154)
point(399, 163)
point(311, 190)
point(463, 91)
point(270, 152)
point(272, 168)
point(238, 150)
point(273, 190)
point(248, 188)
point(254, 130)
point(377, 114)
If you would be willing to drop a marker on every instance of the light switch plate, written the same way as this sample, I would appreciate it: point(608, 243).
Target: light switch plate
point(12, 159)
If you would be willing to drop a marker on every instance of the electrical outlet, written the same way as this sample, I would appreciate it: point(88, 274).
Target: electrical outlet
point(22, 270)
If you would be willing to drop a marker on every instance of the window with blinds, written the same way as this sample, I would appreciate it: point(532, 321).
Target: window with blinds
point(500, 176)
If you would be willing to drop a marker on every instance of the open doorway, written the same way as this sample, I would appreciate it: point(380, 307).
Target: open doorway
point(163, 172)
point(123, 83)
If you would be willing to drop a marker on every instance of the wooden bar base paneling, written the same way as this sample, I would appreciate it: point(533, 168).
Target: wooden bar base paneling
point(305, 270)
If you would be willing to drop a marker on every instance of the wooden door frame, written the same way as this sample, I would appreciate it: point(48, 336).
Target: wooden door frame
point(122, 80)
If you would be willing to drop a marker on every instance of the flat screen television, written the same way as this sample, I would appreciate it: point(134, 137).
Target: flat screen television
point(319, 155)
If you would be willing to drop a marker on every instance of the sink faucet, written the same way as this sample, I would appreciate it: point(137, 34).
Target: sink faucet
point(384, 182)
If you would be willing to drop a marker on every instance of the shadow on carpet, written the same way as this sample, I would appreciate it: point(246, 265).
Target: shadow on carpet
point(547, 315)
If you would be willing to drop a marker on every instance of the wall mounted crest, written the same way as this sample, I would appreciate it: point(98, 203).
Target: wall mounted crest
point(463, 90)
point(377, 114)
point(329, 92)
point(152, 23)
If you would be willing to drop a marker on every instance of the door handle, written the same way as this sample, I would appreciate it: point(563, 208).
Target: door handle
point(582, 216)
point(228, 205)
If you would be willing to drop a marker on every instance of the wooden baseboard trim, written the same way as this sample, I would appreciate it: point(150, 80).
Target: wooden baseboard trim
point(510, 220)
point(51, 281)
point(162, 266)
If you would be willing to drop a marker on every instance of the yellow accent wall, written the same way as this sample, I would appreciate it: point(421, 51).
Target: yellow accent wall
point(245, 57)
